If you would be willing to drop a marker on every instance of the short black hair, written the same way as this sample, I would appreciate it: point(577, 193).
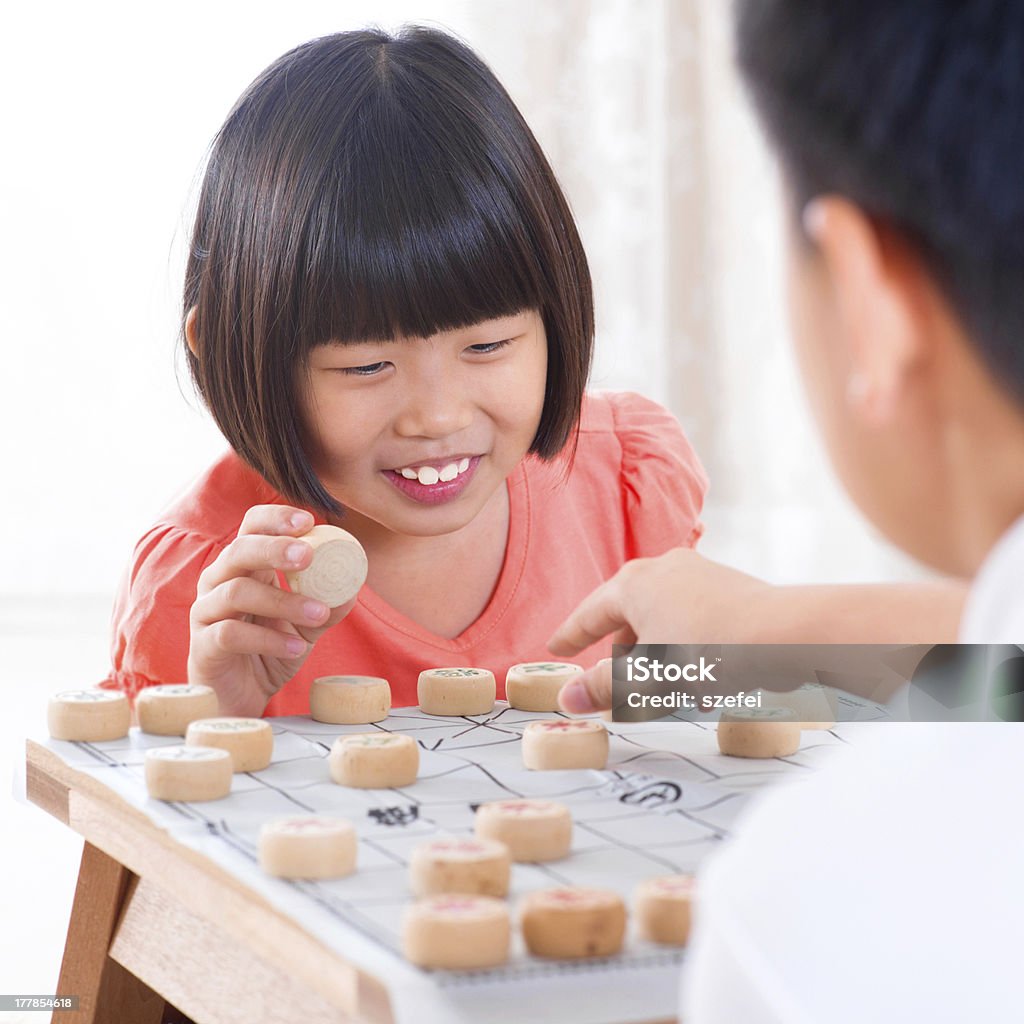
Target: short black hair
point(370, 186)
point(913, 110)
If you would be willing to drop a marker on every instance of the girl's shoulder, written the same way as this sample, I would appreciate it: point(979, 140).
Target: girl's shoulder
point(633, 470)
point(189, 533)
point(212, 506)
point(640, 430)
point(196, 525)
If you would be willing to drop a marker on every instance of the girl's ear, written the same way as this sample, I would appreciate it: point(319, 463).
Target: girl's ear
point(877, 294)
point(190, 330)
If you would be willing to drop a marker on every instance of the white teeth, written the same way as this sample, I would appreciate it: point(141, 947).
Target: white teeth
point(428, 475)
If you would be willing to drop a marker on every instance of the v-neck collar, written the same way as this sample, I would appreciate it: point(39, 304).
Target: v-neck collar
point(508, 581)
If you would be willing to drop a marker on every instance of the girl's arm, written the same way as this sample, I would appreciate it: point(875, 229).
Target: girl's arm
point(682, 597)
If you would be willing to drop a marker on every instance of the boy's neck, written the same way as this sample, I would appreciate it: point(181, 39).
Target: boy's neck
point(985, 455)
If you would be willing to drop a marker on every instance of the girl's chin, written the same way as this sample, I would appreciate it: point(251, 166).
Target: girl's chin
point(408, 520)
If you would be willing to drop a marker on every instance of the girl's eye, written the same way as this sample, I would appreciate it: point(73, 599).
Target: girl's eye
point(490, 346)
point(364, 371)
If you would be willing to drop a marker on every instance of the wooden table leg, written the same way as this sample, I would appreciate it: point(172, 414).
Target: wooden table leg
point(108, 994)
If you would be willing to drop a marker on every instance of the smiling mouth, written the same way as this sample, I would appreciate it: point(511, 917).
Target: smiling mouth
point(435, 483)
point(430, 476)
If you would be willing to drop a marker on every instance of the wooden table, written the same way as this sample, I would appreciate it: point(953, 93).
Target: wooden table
point(155, 923)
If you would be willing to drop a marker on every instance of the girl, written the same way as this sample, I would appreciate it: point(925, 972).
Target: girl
point(388, 312)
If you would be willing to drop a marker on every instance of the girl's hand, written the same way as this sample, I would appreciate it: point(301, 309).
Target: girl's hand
point(248, 635)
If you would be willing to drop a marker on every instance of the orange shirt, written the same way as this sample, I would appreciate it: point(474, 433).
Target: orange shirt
point(635, 489)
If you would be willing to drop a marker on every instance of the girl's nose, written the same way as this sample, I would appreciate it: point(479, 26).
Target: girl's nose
point(437, 409)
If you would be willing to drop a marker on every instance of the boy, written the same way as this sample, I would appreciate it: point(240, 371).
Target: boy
point(887, 886)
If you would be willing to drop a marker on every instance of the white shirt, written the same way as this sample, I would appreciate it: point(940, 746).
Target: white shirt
point(889, 886)
point(994, 612)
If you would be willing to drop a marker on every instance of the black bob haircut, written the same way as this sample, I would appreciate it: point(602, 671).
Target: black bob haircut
point(913, 110)
point(370, 186)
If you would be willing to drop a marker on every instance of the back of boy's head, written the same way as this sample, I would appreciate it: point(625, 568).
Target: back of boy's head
point(913, 110)
point(373, 186)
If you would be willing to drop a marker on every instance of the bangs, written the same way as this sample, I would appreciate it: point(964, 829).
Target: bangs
point(415, 230)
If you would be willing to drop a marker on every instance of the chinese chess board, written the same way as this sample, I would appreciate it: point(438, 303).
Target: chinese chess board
point(666, 800)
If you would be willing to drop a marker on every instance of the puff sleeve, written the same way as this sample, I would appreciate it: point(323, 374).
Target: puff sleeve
point(150, 630)
point(663, 481)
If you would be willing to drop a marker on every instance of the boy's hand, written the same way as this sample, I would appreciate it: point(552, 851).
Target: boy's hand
point(682, 597)
point(248, 635)
point(678, 597)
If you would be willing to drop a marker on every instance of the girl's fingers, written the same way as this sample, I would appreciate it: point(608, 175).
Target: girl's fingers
point(242, 596)
point(251, 553)
point(313, 633)
point(231, 637)
point(276, 520)
point(337, 614)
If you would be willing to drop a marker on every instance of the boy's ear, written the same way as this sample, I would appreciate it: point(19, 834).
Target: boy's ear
point(191, 337)
point(877, 288)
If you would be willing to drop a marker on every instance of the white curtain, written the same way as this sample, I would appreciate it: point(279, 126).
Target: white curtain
point(642, 114)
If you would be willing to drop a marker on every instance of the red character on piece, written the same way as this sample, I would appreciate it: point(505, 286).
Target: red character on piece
point(519, 808)
point(568, 896)
point(303, 824)
point(453, 904)
point(675, 885)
